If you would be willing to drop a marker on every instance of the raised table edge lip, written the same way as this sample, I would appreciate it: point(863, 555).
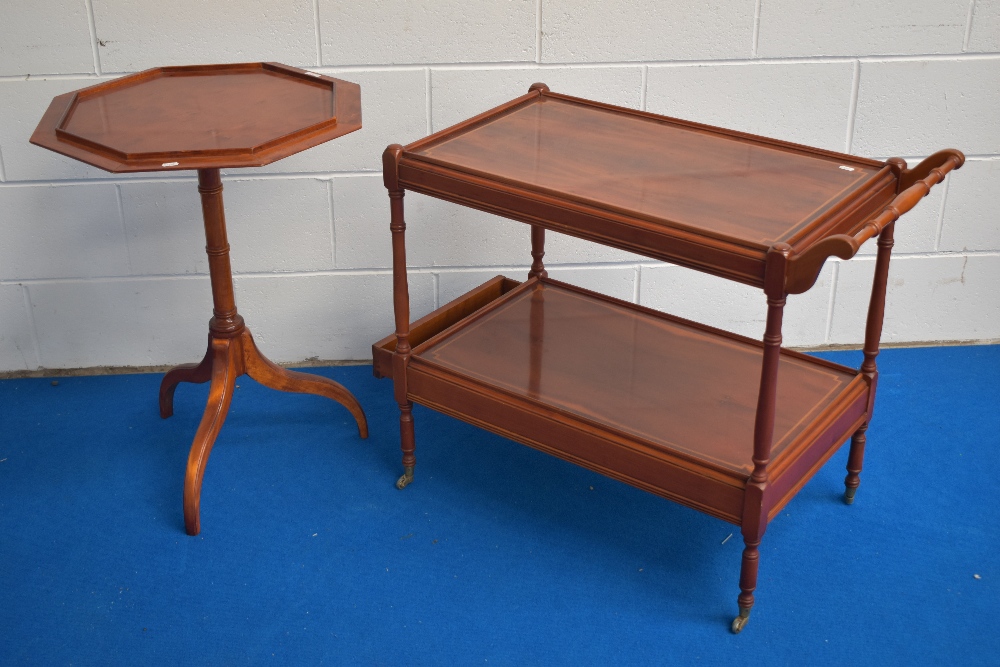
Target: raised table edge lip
point(813, 446)
point(870, 188)
point(347, 119)
point(791, 450)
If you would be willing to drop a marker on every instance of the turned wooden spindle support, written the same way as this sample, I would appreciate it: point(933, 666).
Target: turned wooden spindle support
point(873, 335)
point(401, 311)
point(854, 462)
point(226, 322)
point(754, 521)
point(537, 253)
point(231, 353)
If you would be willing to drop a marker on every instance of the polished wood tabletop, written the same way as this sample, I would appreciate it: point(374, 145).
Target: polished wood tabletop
point(634, 371)
point(670, 173)
point(201, 116)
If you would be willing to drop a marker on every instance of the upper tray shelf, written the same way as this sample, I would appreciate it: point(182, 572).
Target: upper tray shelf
point(703, 196)
point(200, 116)
point(732, 187)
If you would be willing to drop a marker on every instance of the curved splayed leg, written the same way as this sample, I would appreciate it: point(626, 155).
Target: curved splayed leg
point(194, 373)
point(220, 395)
point(269, 374)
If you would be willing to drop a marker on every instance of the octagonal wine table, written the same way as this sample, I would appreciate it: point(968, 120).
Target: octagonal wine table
point(208, 117)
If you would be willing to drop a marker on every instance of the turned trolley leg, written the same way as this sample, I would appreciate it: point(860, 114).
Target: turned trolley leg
point(754, 520)
point(873, 335)
point(407, 443)
point(854, 463)
point(748, 583)
point(537, 253)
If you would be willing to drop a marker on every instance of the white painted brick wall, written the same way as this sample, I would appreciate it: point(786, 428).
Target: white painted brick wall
point(736, 307)
point(972, 213)
point(166, 235)
point(22, 103)
point(881, 27)
point(462, 93)
point(916, 107)
point(401, 32)
point(645, 30)
point(137, 35)
point(324, 316)
point(949, 297)
point(808, 103)
point(17, 339)
point(102, 269)
point(984, 32)
point(52, 37)
point(62, 231)
point(124, 322)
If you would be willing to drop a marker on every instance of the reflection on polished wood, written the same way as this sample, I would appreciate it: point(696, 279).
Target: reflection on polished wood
point(730, 426)
point(736, 189)
point(550, 343)
point(199, 116)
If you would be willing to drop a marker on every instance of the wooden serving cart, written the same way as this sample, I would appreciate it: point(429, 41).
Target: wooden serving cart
point(725, 424)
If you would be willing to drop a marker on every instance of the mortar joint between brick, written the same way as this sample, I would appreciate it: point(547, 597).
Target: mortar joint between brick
point(319, 34)
point(644, 83)
point(968, 25)
point(333, 224)
point(121, 215)
point(538, 31)
point(940, 221)
point(831, 303)
point(755, 38)
point(428, 100)
point(527, 64)
point(852, 109)
point(31, 324)
point(94, 42)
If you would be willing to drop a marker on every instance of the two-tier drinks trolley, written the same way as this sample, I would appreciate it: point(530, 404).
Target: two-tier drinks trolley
point(728, 425)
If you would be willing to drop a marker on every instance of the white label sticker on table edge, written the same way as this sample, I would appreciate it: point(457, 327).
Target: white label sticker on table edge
point(847, 168)
point(170, 164)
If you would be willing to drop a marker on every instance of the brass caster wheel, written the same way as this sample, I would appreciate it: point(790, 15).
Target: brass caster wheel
point(849, 495)
point(740, 621)
point(407, 477)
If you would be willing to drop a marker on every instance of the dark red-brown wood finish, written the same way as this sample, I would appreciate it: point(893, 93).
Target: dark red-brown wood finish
point(728, 425)
point(200, 117)
point(205, 117)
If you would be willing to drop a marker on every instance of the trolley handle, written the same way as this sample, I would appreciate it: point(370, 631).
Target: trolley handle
point(915, 184)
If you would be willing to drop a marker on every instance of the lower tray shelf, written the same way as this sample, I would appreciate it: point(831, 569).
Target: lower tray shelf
point(657, 401)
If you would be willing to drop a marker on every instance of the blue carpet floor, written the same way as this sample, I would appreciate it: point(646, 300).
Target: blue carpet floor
point(496, 554)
